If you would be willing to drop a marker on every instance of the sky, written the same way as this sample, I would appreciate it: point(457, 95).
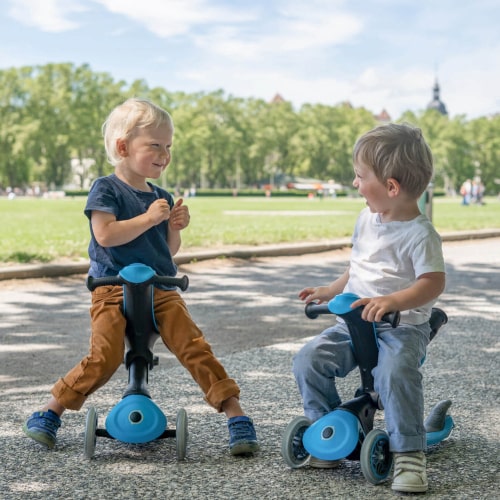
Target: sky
point(377, 54)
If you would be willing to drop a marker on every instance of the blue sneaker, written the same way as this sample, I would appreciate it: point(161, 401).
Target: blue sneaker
point(242, 437)
point(42, 427)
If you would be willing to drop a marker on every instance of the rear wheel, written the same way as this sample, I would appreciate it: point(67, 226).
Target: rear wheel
point(90, 432)
point(292, 448)
point(375, 457)
point(181, 434)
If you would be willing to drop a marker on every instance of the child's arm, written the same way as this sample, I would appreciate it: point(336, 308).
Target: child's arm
point(427, 287)
point(110, 232)
point(322, 294)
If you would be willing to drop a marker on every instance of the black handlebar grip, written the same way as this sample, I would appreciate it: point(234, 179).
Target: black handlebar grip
point(93, 283)
point(392, 318)
point(182, 282)
point(313, 310)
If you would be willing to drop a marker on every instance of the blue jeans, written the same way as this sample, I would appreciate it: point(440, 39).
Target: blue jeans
point(397, 378)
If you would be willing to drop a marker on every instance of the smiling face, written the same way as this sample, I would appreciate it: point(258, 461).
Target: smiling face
point(385, 198)
point(145, 155)
point(371, 189)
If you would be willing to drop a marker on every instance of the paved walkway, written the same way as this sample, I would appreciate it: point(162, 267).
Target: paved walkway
point(250, 312)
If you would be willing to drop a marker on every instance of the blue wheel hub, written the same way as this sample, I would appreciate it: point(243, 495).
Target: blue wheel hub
point(136, 419)
point(333, 436)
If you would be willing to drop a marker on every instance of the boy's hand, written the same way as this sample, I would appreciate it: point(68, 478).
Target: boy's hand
point(159, 211)
point(375, 307)
point(320, 294)
point(179, 216)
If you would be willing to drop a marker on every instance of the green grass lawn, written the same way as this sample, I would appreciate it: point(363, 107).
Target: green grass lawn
point(41, 230)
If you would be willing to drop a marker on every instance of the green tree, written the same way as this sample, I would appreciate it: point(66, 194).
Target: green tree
point(52, 115)
point(94, 95)
point(273, 125)
point(324, 142)
point(50, 92)
point(16, 159)
point(483, 137)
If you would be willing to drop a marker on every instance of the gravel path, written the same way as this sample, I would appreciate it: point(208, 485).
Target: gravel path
point(250, 313)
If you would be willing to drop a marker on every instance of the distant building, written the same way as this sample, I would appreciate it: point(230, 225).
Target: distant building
point(383, 116)
point(436, 102)
point(277, 99)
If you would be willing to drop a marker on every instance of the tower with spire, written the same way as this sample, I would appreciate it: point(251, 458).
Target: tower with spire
point(436, 102)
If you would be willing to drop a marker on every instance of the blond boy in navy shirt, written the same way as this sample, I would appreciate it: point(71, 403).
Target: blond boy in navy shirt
point(133, 220)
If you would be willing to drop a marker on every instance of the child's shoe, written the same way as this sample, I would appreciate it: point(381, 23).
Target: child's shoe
point(242, 437)
point(42, 427)
point(409, 472)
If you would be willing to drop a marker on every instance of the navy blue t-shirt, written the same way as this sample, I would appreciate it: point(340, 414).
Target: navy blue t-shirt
point(110, 194)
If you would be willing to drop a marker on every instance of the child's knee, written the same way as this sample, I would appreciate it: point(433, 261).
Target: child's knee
point(304, 360)
point(105, 364)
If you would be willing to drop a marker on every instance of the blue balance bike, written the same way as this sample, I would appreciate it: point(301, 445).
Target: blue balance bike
point(347, 431)
point(136, 418)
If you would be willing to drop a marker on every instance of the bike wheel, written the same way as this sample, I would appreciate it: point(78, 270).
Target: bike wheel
point(292, 448)
point(375, 457)
point(90, 432)
point(181, 434)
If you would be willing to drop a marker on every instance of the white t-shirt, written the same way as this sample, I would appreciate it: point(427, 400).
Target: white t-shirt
point(390, 256)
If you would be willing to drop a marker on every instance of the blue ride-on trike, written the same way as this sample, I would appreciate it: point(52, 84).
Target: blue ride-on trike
point(347, 431)
point(136, 418)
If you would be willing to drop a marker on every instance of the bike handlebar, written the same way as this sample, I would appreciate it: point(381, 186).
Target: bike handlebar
point(182, 282)
point(313, 310)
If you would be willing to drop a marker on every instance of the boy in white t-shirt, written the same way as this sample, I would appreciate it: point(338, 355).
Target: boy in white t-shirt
point(396, 264)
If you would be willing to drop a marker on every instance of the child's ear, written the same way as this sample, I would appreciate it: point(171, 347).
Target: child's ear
point(393, 187)
point(121, 147)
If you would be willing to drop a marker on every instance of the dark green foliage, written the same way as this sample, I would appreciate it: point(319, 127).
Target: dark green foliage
point(51, 117)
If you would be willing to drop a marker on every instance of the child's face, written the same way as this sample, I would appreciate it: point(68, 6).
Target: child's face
point(147, 153)
point(368, 186)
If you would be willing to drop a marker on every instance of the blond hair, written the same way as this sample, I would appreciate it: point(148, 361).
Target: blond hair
point(127, 117)
point(397, 151)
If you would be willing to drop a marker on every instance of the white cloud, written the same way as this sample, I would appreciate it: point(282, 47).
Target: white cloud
point(311, 25)
point(242, 32)
point(296, 29)
point(50, 15)
point(392, 88)
point(168, 18)
point(470, 80)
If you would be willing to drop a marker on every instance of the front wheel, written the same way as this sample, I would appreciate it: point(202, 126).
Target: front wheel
point(292, 448)
point(181, 434)
point(90, 432)
point(375, 457)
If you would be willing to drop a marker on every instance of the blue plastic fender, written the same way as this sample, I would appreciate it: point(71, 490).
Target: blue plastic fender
point(136, 419)
point(333, 436)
